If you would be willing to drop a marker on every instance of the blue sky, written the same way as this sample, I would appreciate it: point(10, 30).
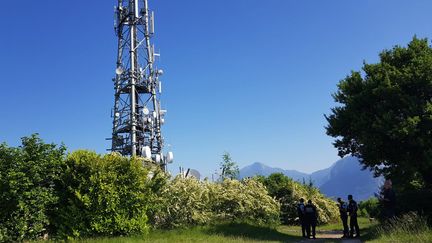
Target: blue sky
point(250, 77)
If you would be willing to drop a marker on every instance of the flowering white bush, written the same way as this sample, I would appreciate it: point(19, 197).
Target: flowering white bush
point(184, 202)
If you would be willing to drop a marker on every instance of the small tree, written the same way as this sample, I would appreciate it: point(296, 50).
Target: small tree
point(228, 167)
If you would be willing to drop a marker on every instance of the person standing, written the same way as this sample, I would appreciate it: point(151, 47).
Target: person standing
point(343, 210)
point(311, 218)
point(352, 210)
point(388, 200)
point(301, 215)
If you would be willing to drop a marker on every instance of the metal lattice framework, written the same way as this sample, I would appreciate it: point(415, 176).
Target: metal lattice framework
point(137, 114)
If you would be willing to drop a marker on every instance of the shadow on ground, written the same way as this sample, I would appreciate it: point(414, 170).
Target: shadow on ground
point(369, 233)
point(251, 232)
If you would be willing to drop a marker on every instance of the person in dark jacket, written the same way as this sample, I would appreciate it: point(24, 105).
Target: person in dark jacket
point(311, 216)
point(343, 210)
point(352, 210)
point(388, 200)
point(301, 215)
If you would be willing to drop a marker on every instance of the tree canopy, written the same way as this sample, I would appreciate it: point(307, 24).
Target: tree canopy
point(385, 114)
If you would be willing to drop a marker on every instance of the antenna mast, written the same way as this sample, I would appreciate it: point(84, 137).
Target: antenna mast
point(137, 115)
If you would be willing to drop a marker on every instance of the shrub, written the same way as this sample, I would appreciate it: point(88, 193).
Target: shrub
point(28, 195)
point(244, 201)
point(414, 198)
point(186, 202)
point(103, 196)
point(289, 192)
point(370, 208)
point(182, 202)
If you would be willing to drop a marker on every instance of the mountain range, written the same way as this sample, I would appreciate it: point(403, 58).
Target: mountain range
point(344, 177)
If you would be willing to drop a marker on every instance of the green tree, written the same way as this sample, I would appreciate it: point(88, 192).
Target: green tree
point(277, 184)
point(385, 114)
point(229, 168)
point(29, 177)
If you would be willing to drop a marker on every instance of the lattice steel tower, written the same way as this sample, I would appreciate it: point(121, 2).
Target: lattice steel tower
point(137, 114)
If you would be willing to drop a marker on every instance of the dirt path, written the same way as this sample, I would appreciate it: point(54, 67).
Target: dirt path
point(330, 236)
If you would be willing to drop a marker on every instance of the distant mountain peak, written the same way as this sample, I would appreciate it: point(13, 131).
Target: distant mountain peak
point(258, 164)
point(258, 168)
point(344, 177)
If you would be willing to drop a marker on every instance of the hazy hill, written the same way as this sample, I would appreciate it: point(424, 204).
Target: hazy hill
point(258, 168)
point(347, 177)
point(342, 178)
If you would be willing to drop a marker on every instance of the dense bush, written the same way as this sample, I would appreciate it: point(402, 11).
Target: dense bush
point(28, 193)
point(414, 198)
point(247, 200)
point(186, 202)
point(181, 202)
point(103, 195)
point(289, 192)
point(44, 193)
point(370, 208)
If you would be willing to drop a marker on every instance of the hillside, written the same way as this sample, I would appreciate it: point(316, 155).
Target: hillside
point(344, 177)
point(347, 177)
point(258, 168)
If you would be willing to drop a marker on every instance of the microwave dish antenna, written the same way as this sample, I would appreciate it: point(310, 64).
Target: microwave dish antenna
point(138, 115)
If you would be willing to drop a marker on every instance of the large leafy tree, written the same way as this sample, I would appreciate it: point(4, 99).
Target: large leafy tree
point(385, 114)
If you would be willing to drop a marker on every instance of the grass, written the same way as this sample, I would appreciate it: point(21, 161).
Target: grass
point(225, 233)
point(409, 228)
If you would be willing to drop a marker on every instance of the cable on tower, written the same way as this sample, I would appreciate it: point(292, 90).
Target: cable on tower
point(137, 114)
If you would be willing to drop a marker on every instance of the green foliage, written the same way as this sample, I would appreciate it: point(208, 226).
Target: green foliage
point(407, 228)
point(182, 202)
point(418, 200)
point(89, 195)
point(186, 202)
point(245, 201)
point(385, 116)
point(28, 188)
point(370, 208)
point(103, 195)
point(229, 168)
point(289, 192)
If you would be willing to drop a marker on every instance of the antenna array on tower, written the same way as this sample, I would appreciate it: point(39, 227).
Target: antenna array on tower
point(137, 115)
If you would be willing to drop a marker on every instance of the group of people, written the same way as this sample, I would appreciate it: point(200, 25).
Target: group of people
point(308, 217)
point(308, 214)
point(349, 209)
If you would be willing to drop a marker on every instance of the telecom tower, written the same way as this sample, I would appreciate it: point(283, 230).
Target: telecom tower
point(137, 114)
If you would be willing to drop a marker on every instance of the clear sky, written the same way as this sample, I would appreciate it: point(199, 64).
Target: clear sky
point(250, 77)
